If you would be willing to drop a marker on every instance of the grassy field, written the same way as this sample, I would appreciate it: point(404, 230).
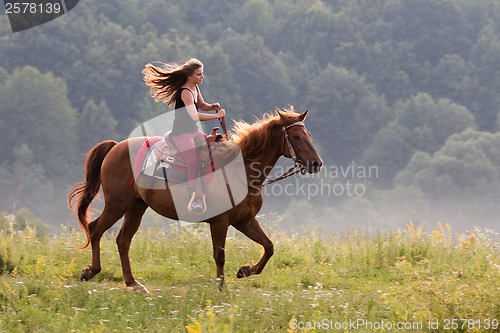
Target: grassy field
point(409, 279)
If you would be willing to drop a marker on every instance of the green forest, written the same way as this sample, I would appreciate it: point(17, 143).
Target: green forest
point(411, 87)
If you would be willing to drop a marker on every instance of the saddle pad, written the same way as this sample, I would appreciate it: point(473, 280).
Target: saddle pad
point(147, 163)
point(141, 155)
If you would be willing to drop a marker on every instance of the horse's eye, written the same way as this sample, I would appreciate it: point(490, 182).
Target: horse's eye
point(296, 137)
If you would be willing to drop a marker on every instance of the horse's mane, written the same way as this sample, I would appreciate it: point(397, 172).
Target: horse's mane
point(260, 135)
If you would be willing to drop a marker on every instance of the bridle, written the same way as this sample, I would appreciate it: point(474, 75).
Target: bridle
point(298, 165)
point(289, 144)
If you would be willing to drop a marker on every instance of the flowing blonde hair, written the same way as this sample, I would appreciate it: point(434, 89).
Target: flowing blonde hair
point(165, 81)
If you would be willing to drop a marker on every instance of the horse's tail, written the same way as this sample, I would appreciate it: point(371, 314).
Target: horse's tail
point(82, 194)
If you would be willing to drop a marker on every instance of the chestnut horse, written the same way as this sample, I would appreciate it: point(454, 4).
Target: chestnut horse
point(108, 163)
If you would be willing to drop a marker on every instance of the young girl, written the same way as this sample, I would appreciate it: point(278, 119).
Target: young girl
point(178, 85)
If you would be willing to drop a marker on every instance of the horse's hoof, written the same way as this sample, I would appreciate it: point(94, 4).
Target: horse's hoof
point(83, 276)
point(136, 286)
point(244, 271)
point(221, 283)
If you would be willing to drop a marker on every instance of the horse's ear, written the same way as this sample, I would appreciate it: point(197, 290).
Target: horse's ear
point(303, 115)
point(281, 114)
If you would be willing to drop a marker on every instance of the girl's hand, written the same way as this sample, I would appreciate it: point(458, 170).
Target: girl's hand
point(216, 106)
point(221, 113)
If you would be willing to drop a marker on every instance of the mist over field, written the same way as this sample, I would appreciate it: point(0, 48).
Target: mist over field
point(403, 97)
point(337, 203)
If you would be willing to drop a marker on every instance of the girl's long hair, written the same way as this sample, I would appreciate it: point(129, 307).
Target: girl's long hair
point(167, 79)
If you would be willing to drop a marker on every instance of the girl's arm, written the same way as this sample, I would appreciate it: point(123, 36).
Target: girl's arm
point(188, 100)
point(203, 106)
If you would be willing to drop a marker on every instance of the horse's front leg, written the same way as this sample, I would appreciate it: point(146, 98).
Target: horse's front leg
point(219, 232)
point(253, 231)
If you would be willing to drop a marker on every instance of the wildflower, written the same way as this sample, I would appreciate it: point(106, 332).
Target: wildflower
point(194, 328)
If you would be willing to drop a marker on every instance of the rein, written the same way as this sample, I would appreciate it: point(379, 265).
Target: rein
point(223, 125)
point(298, 165)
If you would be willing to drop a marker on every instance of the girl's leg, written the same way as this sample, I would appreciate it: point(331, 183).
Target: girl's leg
point(187, 147)
point(185, 144)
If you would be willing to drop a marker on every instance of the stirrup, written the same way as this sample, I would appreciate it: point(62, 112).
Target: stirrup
point(197, 207)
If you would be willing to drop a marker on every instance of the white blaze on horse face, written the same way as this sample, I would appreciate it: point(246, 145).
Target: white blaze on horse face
point(225, 182)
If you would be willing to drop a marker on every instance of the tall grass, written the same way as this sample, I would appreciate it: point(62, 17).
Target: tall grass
point(403, 276)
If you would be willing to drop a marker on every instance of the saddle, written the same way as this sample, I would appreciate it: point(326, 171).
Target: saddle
point(163, 159)
point(167, 152)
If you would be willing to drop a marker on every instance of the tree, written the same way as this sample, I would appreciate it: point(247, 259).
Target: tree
point(457, 80)
point(382, 63)
point(36, 112)
point(347, 113)
point(485, 56)
point(389, 151)
point(95, 124)
point(22, 219)
point(3, 75)
point(433, 27)
point(257, 17)
point(132, 12)
point(467, 167)
point(442, 117)
point(261, 78)
point(420, 124)
point(24, 183)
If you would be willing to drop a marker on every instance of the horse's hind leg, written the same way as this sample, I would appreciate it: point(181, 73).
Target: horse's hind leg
point(253, 231)
point(97, 229)
point(130, 225)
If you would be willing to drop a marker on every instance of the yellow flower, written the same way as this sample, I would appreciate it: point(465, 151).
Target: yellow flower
point(194, 328)
point(209, 314)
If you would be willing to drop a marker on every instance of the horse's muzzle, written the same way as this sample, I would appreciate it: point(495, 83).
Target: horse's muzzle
point(313, 166)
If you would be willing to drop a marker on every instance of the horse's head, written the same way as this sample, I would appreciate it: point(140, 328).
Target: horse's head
point(297, 143)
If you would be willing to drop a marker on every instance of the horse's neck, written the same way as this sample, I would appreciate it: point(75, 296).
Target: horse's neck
point(258, 170)
point(261, 164)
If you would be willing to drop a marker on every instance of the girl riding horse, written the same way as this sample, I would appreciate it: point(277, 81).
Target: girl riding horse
point(178, 85)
